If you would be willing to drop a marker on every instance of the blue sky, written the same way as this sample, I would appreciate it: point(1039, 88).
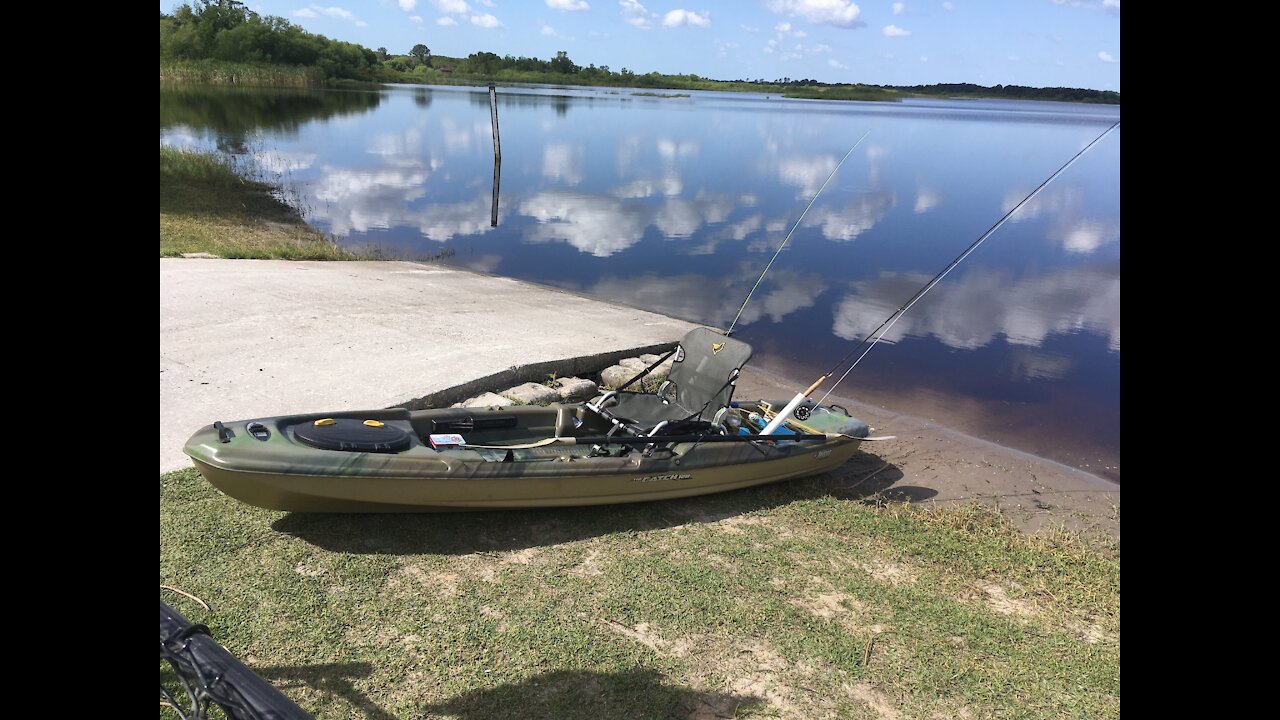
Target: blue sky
point(1072, 43)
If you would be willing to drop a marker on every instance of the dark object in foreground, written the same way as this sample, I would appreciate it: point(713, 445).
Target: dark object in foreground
point(211, 675)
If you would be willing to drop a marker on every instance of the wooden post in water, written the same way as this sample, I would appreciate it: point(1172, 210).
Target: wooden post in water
point(493, 115)
point(497, 177)
point(497, 154)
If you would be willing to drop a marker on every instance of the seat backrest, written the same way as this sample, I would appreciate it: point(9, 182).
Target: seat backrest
point(706, 367)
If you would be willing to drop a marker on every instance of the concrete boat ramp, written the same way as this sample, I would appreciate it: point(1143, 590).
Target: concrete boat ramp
point(253, 338)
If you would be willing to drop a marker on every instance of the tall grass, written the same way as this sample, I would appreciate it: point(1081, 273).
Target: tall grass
point(220, 72)
point(844, 92)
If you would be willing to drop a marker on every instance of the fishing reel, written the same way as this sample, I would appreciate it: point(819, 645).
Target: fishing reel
point(802, 412)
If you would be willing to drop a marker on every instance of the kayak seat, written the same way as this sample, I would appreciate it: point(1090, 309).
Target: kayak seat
point(699, 386)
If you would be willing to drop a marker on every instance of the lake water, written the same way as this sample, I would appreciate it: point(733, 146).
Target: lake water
point(676, 205)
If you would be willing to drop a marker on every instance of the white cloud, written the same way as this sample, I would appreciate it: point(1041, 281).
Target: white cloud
point(568, 5)
point(926, 200)
point(442, 222)
point(668, 185)
point(678, 218)
point(408, 5)
point(723, 48)
point(899, 8)
point(1070, 227)
point(416, 18)
point(750, 29)
point(837, 64)
point(446, 21)
point(1106, 57)
point(636, 14)
point(841, 13)
point(793, 291)
point(858, 216)
point(312, 11)
point(967, 315)
point(783, 28)
point(597, 225)
point(948, 6)
point(453, 7)
point(1111, 4)
point(1085, 238)
point(806, 171)
point(671, 149)
point(679, 18)
point(276, 161)
point(548, 30)
point(337, 12)
point(358, 199)
point(820, 48)
point(563, 163)
point(924, 58)
point(895, 31)
point(486, 20)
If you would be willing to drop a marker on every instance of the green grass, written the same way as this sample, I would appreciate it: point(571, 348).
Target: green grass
point(799, 599)
point(206, 207)
point(222, 72)
point(844, 92)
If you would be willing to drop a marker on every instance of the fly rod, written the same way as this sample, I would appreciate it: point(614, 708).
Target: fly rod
point(876, 335)
point(793, 229)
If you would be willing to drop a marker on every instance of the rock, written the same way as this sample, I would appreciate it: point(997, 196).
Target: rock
point(635, 364)
point(572, 388)
point(615, 376)
point(531, 394)
point(488, 400)
point(662, 370)
point(201, 255)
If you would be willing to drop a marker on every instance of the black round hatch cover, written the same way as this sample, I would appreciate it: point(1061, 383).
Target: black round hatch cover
point(353, 435)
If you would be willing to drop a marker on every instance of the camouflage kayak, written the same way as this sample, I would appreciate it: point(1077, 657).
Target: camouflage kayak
point(509, 457)
point(688, 438)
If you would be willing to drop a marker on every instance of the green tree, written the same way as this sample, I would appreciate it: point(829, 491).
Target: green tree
point(484, 63)
point(420, 51)
point(562, 64)
point(382, 54)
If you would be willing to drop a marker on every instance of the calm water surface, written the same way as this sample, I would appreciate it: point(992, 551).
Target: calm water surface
point(676, 204)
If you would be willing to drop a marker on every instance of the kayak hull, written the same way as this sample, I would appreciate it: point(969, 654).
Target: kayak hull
point(279, 472)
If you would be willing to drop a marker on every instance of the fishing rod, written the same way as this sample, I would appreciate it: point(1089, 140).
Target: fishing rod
point(878, 334)
point(793, 229)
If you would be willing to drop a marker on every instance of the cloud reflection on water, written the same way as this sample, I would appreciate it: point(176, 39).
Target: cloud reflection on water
point(716, 299)
point(1070, 227)
point(970, 311)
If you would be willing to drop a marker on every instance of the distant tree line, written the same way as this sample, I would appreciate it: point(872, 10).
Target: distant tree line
point(1014, 92)
point(227, 31)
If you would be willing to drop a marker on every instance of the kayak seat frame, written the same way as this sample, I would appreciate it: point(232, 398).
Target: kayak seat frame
point(698, 390)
